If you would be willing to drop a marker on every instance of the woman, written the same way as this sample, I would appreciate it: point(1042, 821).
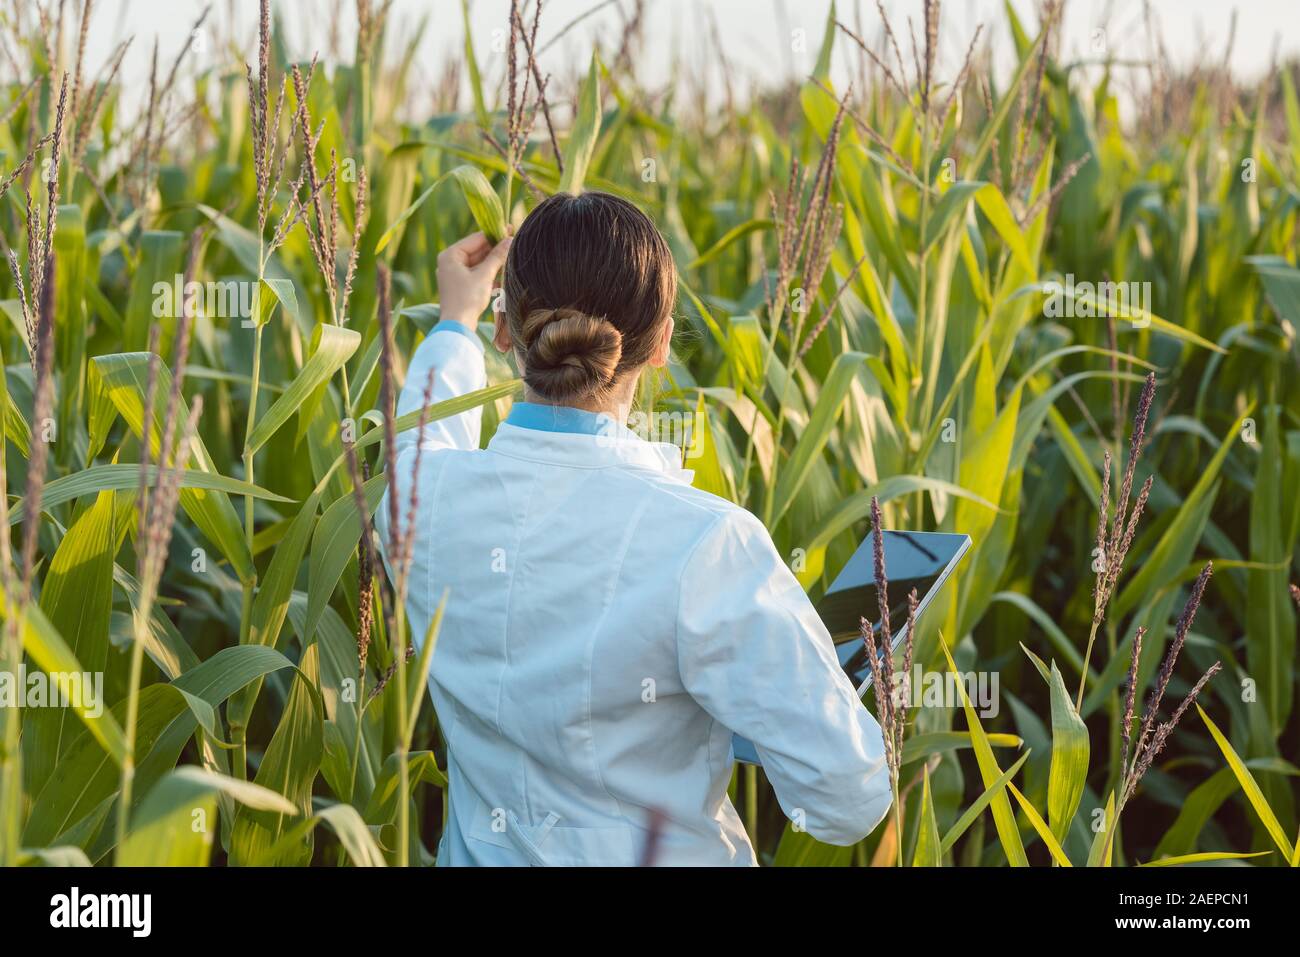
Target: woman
point(609, 626)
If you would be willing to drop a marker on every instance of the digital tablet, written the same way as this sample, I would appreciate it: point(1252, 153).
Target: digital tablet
point(920, 560)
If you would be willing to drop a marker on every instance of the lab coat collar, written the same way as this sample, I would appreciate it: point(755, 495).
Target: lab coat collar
point(582, 439)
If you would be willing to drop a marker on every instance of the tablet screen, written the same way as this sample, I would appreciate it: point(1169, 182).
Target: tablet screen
point(920, 560)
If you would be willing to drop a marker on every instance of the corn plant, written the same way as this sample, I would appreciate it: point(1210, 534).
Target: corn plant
point(898, 295)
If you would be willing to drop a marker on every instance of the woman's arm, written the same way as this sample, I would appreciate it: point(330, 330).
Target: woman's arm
point(452, 356)
point(452, 351)
point(754, 654)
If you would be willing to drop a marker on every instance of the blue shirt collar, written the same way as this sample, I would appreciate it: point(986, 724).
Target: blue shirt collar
point(560, 418)
point(560, 435)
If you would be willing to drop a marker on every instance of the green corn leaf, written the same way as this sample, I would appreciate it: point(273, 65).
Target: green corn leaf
point(1176, 545)
point(475, 78)
point(710, 474)
point(1128, 312)
point(1270, 612)
point(952, 206)
point(1069, 769)
point(1201, 858)
point(484, 204)
point(48, 651)
point(927, 852)
point(334, 347)
point(817, 432)
point(161, 260)
point(174, 824)
point(421, 669)
point(857, 506)
point(1103, 845)
point(53, 857)
point(971, 813)
point(482, 200)
point(441, 410)
point(332, 546)
point(1049, 840)
point(585, 132)
point(271, 293)
point(351, 830)
point(75, 801)
point(920, 746)
point(422, 766)
point(729, 239)
point(290, 765)
point(1204, 800)
point(78, 601)
point(272, 600)
point(125, 377)
point(1250, 786)
point(800, 849)
point(126, 478)
point(990, 772)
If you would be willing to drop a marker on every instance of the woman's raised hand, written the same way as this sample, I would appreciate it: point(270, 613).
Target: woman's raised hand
point(466, 272)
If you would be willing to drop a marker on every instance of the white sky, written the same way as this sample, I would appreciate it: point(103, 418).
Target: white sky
point(755, 34)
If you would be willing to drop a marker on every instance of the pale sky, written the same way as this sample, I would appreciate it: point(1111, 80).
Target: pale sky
point(755, 34)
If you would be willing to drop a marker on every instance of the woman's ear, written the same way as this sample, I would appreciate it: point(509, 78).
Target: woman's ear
point(664, 347)
point(501, 333)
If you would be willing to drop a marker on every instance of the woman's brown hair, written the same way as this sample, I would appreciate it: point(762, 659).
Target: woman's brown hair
point(589, 284)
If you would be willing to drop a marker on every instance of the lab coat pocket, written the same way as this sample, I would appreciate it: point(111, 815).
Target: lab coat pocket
point(550, 844)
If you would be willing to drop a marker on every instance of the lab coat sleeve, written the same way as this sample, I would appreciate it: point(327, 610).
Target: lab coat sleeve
point(455, 354)
point(752, 651)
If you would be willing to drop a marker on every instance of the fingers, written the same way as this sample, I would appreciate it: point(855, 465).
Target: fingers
point(496, 257)
point(469, 250)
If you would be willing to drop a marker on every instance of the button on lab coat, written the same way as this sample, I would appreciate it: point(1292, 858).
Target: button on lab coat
point(608, 628)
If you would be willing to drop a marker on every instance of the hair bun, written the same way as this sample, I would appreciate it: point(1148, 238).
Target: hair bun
point(569, 355)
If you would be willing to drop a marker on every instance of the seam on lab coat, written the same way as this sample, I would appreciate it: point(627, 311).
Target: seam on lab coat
point(632, 527)
point(510, 591)
point(511, 572)
point(677, 625)
point(678, 492)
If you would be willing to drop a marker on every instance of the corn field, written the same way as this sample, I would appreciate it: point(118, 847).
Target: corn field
point(965, 295)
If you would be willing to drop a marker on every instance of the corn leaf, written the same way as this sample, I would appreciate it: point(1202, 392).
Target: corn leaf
point(817, 432)
point(927, 852)
point(1069, 769)
point(1039, 825)
point(1201, 858)
point(334, 347)
point(586, 130)
point(78, 601)
point(126, 478)
point(484, 204)
point(971, 813)
point(1250, 786)
point(1003, 819)
point(125, 376)
point(174, 824)
point(289, 767)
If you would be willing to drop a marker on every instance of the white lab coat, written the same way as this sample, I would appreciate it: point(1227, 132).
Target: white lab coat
point(608, 628)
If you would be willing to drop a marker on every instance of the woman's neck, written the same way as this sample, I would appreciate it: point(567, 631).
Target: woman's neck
point(617, 404)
